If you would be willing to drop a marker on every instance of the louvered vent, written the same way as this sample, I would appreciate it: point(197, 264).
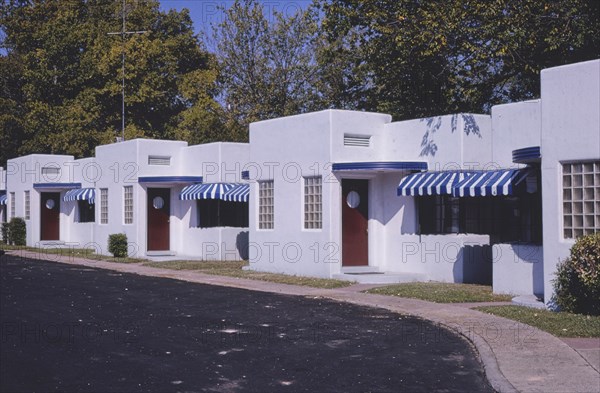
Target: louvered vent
point(158, 160)
point(50, 170)
point(357, 140)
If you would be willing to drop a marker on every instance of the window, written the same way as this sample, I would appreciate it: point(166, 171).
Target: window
point(266, 205)
point(128, 204)
point(505, 219)
point(104, 206)
point(12, 205)
point(313, 213)
point(581, 198)
point(439, 214)
point(27, 206)
point(87, 211)
point(214, 213)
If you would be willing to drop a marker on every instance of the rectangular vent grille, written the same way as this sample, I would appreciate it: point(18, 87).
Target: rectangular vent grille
point(357, 140)
point(156, 160)
point(50, 170)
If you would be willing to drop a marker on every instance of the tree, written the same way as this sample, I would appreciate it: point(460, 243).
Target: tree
point(421, 58)
point(61, 76)
point(267, 70)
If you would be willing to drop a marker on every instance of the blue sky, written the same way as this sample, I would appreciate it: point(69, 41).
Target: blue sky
point(205, 12)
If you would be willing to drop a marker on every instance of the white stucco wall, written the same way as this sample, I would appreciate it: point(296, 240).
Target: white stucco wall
point(215, 162)
point(518, 269)
point(570, 132)
point(122, 164)
point(308, 144)
point(2, 188)
point(2, 179)
point(284, 150)
point(447, 142)
point(515, 126)
point(22, 174)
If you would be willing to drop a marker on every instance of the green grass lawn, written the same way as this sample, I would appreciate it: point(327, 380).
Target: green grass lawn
point(439, 292)
point(87, 253)
point(235, 269)
point(67, 251)
point(560, 324)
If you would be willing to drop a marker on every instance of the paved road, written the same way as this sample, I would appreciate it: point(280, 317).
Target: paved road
point(69, 328)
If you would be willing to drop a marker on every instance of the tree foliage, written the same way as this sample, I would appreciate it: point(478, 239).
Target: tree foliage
point(422, 58)
point(267, 66)
point(60, 76)
point(60, 73)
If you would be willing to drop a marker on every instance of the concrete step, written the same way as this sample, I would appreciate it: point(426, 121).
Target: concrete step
point(360, 269)
point(52, 244)
point(161, 255)
point(379, 277)
point(528, 301)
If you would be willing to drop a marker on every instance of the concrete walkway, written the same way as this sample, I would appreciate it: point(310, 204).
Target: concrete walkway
point(515, 356)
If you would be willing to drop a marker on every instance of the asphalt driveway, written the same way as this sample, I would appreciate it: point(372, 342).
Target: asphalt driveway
point(68, 328)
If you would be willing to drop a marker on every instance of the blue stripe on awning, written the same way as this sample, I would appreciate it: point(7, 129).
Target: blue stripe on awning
point(205, 191)
point(82, 194)
point(3, 199)
point(430, 183)
point(239, 193)
point(490, 183)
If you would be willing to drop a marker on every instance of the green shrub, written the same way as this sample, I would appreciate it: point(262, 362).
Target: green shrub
point(5, 232)
point(577, 283)
point(17, 231)
point(117, 245)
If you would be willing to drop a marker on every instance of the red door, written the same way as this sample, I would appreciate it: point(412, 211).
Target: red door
point(159, 214)
point(50, 216)
point(355, 222)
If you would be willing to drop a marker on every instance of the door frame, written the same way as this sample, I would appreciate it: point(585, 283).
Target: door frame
point(41, 214)
point(368, 178)
point(148, 206)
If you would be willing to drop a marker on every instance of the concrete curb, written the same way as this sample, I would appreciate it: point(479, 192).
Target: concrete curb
point(531, 361)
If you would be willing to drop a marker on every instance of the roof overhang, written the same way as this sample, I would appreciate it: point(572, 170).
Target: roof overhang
point(56, 186)
point(170, 179)
point(527, 155)
point(380, 166)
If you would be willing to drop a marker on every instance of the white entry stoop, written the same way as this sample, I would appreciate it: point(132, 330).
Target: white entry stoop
point(372, 275)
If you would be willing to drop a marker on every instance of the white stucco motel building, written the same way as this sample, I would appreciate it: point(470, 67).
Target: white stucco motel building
point(472, 198)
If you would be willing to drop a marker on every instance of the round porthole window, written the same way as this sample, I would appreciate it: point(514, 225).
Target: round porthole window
point(353, 199)
point(158, 202)
point(50, 204)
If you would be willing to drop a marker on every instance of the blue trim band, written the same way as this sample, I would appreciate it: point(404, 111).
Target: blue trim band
point(57, 185)
point(380, 166)
point(527, 154)
point(170, 179)
point(245, 175)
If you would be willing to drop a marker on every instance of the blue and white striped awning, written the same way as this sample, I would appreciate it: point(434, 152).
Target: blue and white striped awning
point(239, 193)
point(205, 191)
point(490, 183)
point(81, 194)
point(430, 183)
point(3, 199)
